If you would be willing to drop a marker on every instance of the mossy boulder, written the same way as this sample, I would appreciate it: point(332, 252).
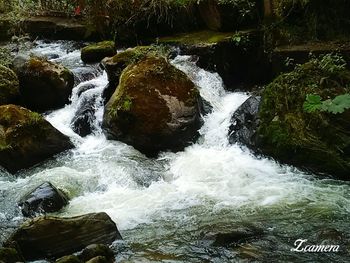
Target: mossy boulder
point(96, 52)
point(26, 138)
point(53, 237)
point(316, 140)
point(10, 255)
point(155, 107)
point(116, 64)
point(44, 85)
point(9, 86)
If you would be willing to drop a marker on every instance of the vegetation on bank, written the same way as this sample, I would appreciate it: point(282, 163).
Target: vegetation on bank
point(294, 131)
point(298, 21)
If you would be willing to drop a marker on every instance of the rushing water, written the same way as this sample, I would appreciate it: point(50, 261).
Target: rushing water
point(169, 209)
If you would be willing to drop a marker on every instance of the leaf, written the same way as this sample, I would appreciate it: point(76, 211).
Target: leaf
point(339, 104)
point(312, 103)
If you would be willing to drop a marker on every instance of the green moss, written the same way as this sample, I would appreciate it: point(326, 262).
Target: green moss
point(126, 104)
point(19, 124)
point(201, 37)
point(104, 45)
point(96, 52)
point(290, 133)
point(9, 85)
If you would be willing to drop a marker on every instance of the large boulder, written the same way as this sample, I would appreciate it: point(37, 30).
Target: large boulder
point(26, 138)
point(53, 237)
point(96, 52)
point(304, 118)
point(46, 198)
point(9, 86)
point(44, 85)
point(155, 107)
point(116, 64)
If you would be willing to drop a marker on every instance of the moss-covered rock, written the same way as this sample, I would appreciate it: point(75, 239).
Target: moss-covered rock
point(116, 64)
point(96, 52)
point(154, 108)
point(44, 85)
point(52, 237)
point(317, 140)
point(26, 138)
point(10, 255)
point(9, 86)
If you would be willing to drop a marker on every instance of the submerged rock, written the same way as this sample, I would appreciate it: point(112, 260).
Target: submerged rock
point(245, 122)
point(44, 85)
point(155, 107)
point(9, 86)
point(44, 199)
point(26, 138)
point(10, 255)
point(96, 52)
point(52, 237)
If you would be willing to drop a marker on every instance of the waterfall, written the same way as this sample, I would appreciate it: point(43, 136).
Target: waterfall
point(167, 203)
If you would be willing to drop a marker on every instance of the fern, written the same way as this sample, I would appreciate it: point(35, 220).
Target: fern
point(338, 105)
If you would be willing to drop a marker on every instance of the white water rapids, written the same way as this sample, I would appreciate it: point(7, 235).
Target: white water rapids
point(164, 206)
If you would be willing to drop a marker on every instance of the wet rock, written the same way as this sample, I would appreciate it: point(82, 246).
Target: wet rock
point(245, 122)
point(236, 236)
point(46, 198)
point(84, 88)
point(205, 107)
point(82, 122)
point(52, 237)
point(26, 138)
point(68, 259)
point(116, 64)
point(155, 107)
point(9, 86)
point(44, 85)
point(96, 52)
point(10, 255)
point(95, 250)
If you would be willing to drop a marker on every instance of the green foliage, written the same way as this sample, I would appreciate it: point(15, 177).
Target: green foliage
point(296, 130)
point(304, 20)
point(338, 105)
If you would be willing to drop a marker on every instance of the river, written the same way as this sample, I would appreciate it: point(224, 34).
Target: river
point(169, 209)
